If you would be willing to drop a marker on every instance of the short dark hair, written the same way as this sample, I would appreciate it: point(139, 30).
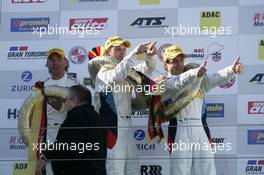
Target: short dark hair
point(82, 93)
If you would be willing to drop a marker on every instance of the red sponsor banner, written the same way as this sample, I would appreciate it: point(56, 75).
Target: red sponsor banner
point(256, 107)
point(88, 23)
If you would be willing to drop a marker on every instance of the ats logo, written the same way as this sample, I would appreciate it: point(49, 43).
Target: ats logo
point(78, 55)
point(215, 110)
point(198, 53)
point(258, 79)
point(255, 137)
point(258, 20)
point(28, 24)
point(255, 167)
point(210, 19)
point(261, 49)
point(161, 50)
point(150, 170)
point(16, 143)
point(149, 22)
point(27, 1)
point(88, 23)
point(23, 53)
point(256, 107)
point(229, 83)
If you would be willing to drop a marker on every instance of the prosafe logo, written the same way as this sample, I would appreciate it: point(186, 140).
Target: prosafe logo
point(258, 19)
point(258, 79)
point(261, 49)
point(27, 1)
point(254, 167)
point(255, 137)
point(149, 22)
point(139, 134)
point(151, 170)
point(215, 110)
point(24, 53)
point(20, 169)
point(78, 55)
point(29, 24)
point(149, 2)
point(210, 19)
point(256, 107)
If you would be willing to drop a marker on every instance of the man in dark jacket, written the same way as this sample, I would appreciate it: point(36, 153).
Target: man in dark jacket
point(80, 146)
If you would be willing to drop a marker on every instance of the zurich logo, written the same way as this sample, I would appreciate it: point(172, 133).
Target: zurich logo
point(26, 76)
point(139, 134)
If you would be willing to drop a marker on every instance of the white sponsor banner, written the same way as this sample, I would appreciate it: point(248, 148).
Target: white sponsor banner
point(224, 139)
point(30, 5)
point(250, 109)
point(250, 164)
point(87, 24)
point(9, 112)
point(147, 4)
point(20, 55)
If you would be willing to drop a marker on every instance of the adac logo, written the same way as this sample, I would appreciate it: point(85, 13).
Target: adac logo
point(88, 23)
point(27, 1)
point(215, 110)
point(139, 134)
point(20, 168)
point(26, 76)
point(258, 19)
point(210, 19)
point(150, 170)
point(255, 167)
point(197, 53)
point(215, 51)
point(228, 84)
point(23, 53)
point(16, 143)
point(149, 2)
point(258, 79)
point(78, 55)
point(161, 50)
point(149, 22)
point(256, 107)
point(261, 49)
point(255, 137)
point(29, 24)
point(12, 113)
